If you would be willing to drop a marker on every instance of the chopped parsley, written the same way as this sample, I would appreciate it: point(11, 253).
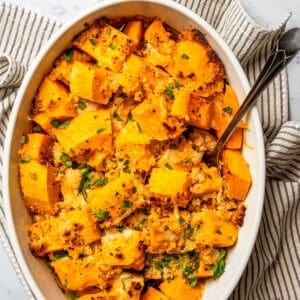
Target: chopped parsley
point(100, 130)
point(144, 43)
point(25, 159)
point(169, 92)
point(193, 281)
point(188, 232)
point(64, 157)
point(167, 165)
point(123, 95)
point(101, 181)
point(126, 203)
point(141, 224)
point(187, 271)
point(109, 31)
point(185, 56)
point(120, 228)
point(112, 46)
point(73, 295)
point(85, 183)
point(134, 190)
point(37, 128)
point(59, 255)
point(66, 160)
point(82, 105)
point(219, 266)
point(60, 124)
point(228, 110)
point(181, 220)
point(101, 214)
point(68, 54)
point(117, 117)
point(25, 139)
point(93, 42)
point(139, 127)
point(127, 170)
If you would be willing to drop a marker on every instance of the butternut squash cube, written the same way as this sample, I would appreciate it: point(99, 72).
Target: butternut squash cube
point(90, 82)
point(166, 182)
point(106, 44)
point(178, 287)
point(38, 146)
point(236, 174)
point(200, 111)
point(180, 106)
point(159, 47)
point(134, 29)
point(63, 65)
point(70, 229)
point(213, 231)
point(126, 286)
point(110, 204)
point(39, 187)
point(212, 182)
point(193, 61)
point(154, 294)
point(49, 91)
point(80, 273)
point(131, 134)
point(139, 156)
point(154, 110)
point(123, 249)
point(89, 131)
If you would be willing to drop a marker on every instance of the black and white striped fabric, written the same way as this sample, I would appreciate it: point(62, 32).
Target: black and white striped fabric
point(273, 269)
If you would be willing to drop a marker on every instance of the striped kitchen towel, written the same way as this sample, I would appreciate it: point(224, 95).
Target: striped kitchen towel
point(273, 269)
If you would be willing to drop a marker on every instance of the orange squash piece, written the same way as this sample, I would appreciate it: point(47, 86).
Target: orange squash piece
point(214, 230)
point(177, 288)
point(39, 187)
point(200, 111)
point(134, 29)
point(38, 146)
point(236, 174)
point(90, 82)
point(154, 294)
point(106, 44)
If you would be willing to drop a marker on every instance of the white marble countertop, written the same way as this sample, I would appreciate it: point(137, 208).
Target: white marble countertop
point(267, 13)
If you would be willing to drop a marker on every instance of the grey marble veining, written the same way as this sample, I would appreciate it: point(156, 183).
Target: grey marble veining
point(267, 13)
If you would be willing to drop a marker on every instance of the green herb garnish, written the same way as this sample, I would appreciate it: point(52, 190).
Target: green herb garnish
point(93, 42)
point(117, 117)
point(101, 214)
point(167, 165)
point(60, 124)
point(219, 264)
point(101, 181)
point(126, 203)
point(100, 130)
point(68, 54)
point(82, 105)
point(59, 255)
point(169, 92)
point(228, 110)
point(193, 281)
point(112, 46)
point(25, 159)
point(141, 224)
point(181, 220)
point(185, 56)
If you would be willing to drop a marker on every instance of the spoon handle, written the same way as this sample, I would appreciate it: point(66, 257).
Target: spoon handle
point(284, 51)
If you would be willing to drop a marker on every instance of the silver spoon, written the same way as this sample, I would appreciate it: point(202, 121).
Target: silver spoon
point(284, 51)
